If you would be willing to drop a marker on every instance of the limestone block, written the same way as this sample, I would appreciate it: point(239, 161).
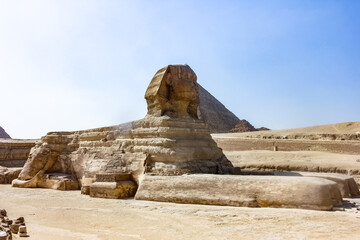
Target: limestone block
point(3, 213)
point(22, 229)
point(122, 189)
point(85, 190)
point(15, 228)
point(3, 235)
point(346, 184)
point(23, 234)
point(112, 177)
point(246, 191)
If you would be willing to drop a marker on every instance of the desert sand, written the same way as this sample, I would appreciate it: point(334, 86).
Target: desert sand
point(59, 215)
point(338, 128)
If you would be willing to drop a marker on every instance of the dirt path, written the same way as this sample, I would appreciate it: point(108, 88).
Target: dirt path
point(58, 215)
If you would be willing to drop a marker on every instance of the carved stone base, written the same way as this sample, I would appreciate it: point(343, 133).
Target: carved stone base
point(113, 186)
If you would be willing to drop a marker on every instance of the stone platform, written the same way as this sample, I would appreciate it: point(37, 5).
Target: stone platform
point(346, 184)
point(242, 191)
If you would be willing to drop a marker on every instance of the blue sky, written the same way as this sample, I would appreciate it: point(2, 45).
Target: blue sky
point(70, 65)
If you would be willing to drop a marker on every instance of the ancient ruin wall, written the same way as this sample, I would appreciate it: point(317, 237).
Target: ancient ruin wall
point(238, 144)
point(13, 153)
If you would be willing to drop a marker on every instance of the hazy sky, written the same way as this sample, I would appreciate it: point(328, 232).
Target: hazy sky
point(70, 65)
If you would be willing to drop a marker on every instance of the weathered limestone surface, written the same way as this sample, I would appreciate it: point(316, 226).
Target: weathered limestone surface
point(346, 184)
point(170, 140)
point(247, 191)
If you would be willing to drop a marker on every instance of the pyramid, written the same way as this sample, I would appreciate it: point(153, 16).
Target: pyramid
point(3, 134)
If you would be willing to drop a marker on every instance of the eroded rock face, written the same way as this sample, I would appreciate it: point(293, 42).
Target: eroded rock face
point(169, 140)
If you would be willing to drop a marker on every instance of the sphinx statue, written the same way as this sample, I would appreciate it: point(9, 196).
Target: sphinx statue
point(169, 155)
point(169, 140)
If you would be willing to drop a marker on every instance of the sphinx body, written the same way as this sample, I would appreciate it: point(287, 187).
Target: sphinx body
point(169, 140)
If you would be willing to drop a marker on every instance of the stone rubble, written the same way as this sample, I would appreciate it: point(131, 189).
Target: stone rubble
point(9, 227)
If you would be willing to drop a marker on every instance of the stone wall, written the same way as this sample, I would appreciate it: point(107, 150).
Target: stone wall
point(13, 153)
point(237, 144)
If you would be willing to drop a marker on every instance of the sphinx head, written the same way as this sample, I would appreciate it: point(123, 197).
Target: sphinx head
point(173, 91)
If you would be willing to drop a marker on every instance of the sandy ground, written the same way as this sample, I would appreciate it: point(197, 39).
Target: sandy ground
point(56, 215)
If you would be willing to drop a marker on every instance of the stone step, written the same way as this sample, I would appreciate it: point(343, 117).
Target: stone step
point(112, 177)
point(114, 190)
point(247, 191)
point(113, 185)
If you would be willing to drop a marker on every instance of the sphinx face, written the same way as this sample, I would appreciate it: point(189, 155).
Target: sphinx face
point(184, 89)
point(173, 92)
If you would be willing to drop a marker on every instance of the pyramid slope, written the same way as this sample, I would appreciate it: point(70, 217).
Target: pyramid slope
point(215, 114)
point(3, 134)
